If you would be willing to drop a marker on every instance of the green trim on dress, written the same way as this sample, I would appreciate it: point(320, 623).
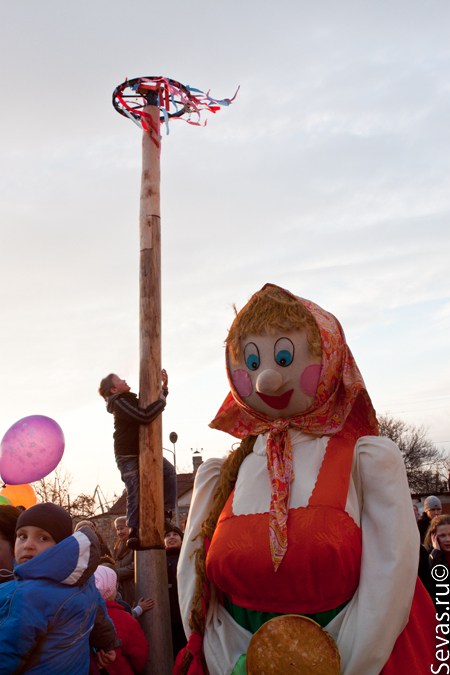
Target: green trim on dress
point(251, 620)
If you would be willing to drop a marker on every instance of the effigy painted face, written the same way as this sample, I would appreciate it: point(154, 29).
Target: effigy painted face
point(275, 374)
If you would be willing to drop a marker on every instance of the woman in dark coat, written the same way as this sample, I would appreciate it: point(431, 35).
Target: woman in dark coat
point(437, 540)
point(173, 538)
point(124, 559)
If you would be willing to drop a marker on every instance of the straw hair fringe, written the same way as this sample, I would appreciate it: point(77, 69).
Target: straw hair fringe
point(271, 310)
point(227, 481)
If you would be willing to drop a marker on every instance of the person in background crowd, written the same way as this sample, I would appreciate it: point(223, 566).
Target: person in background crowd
point(173, 538)
point(8, 518)
point(123, 566)
point(124, 561)
point(424, 572)
point(132, 656)
point(432, 507)
point(143, 605)
point(438, 541)
point(104, 550)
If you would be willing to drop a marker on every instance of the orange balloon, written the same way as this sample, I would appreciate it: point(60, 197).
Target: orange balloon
point(19, 495)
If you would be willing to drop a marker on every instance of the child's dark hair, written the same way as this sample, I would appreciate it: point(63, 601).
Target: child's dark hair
point(105, 386)
point(8, 519)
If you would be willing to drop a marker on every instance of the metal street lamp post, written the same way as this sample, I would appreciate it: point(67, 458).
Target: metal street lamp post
point(173, 437)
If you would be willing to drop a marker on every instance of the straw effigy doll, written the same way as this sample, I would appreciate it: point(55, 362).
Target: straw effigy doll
point(310, 515)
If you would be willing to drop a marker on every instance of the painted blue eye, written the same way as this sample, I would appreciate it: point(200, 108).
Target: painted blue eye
point(283, 358)
point(251, 356)
point(252, 362)
point(284, 352)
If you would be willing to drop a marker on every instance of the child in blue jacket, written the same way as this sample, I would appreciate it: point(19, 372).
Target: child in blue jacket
point(48, 611)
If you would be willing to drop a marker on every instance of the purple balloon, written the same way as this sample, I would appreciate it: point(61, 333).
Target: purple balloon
point(30, 450)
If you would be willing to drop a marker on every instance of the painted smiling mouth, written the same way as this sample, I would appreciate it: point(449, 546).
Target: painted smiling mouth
point(277, 402)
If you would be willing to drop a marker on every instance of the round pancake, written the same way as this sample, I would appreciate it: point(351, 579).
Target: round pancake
point(292, 644)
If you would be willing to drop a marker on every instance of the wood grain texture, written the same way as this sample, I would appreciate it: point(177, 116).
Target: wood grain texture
point(151, 569)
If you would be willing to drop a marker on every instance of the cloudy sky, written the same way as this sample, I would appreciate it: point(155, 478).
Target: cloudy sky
point(329, 175)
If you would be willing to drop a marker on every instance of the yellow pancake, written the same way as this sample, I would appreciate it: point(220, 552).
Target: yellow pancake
point(292, 644)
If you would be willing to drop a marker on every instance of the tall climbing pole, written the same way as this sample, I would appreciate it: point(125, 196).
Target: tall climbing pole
point(150, 102)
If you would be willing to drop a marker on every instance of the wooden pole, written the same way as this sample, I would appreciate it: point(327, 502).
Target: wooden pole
point(151, 569)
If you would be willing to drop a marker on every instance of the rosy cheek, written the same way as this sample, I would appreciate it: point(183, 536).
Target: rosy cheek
point(309, 379)
point(242, 383)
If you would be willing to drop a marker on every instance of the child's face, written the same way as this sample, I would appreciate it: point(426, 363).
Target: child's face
point(119, 386)
point(172, 540)
point(123, 531)
point(443, 537)
point(30, 541)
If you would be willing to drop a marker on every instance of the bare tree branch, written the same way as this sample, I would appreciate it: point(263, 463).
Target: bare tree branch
point(426, 465)
point(55, 488)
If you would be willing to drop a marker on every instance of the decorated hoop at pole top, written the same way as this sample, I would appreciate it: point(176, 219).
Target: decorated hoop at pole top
point(174, 100)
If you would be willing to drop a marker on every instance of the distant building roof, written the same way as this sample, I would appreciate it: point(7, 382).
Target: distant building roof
point(120, 507)
point(185, 482)
point(437, 493)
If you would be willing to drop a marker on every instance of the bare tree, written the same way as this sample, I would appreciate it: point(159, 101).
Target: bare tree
point(426, 465)
point(83, 505)
point(55, 488)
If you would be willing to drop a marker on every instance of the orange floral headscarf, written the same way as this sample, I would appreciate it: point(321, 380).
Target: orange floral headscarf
point(341, 409)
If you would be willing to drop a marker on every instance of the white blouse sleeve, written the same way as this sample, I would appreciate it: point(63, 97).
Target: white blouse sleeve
point(366, 630)
point(202, 496)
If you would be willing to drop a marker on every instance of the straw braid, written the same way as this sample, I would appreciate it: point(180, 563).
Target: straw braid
point(226, 483)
